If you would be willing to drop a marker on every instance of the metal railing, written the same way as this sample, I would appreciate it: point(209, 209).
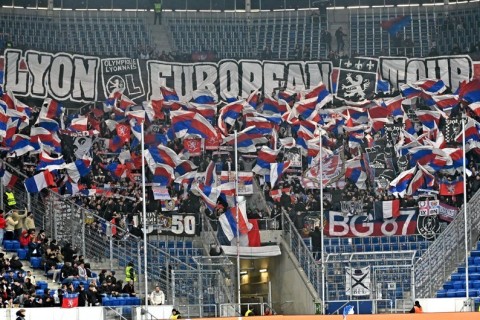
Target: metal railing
point(303, 254)
point(447, 252)
point(386, 305)
point(232, 309)
point(91, 235)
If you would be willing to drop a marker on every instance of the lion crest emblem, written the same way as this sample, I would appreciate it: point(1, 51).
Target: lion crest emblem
point(355, 86)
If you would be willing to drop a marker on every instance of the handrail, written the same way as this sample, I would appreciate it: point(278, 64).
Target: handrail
point(116, 312)
point(445, 254)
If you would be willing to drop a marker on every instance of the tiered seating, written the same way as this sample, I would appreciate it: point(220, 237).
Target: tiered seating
point(368, 38)
point(370, 244)
point(456, 286)
point(465, 37)
point(100, 33)
point(237, 36)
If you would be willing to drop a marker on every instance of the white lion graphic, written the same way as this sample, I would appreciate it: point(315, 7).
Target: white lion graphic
point(356, 87)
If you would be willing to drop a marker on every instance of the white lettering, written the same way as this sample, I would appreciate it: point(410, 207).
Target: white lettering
point(206, 75)
point(38, 64)
point(394, 228)
point(252, 77)
point(363, 229)
point(337, 224)
point(84, 81)
point(60, 77)
point(158, 73)
point(182, 77)
point(16, 80)
point(228, 76)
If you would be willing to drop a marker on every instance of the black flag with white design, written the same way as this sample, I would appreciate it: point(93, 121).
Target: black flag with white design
point(357, 79)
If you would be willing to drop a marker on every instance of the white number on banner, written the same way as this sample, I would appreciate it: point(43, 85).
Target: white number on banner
point(181, 224)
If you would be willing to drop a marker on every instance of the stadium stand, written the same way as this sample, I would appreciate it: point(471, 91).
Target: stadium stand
point(85, 32)
point(105, 199)
point(280, 31)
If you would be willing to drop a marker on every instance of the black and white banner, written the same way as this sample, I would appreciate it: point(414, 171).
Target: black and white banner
point(81, 78)
point(357, 79)
point(170, 223)
point(357, 281)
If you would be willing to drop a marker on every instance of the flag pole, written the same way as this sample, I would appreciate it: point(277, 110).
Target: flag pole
point(322, 235)
point(144, 218)
point(238, 231)
point(465, 216)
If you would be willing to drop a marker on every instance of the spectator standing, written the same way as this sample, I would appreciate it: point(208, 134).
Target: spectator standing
point(29, 222)
point(339, 34)
point(10, 201)
point(157, 297)
point(10, 227)
point(18, 217)
point(157, 8)
point(316, 236)
point(130, 273)
point(326, 37)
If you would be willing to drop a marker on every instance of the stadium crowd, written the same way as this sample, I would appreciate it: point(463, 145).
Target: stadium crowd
point(115, 159)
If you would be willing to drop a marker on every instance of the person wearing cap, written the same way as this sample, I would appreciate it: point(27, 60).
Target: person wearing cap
point(21, 314)
point(175, 314)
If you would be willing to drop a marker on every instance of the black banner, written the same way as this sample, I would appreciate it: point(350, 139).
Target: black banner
point(171, 223)
point(357, 79)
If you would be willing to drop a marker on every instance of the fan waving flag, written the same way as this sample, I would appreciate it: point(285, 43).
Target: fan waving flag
point(277, 170)
point(228, 221)
point(78, 169)
point(396, 24)
point(387, 209)
point(451, 188)
point(398, 187)
point(39, 182)
point(8, 179)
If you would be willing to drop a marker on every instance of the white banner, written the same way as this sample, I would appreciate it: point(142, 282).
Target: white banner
point(357, 281)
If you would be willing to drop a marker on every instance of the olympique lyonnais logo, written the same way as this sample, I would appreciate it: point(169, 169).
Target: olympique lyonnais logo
point(122, 74)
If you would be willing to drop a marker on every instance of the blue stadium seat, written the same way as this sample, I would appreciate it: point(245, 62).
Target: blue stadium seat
point(22, 253)
point(475, 253)
point(451, 293)
point(36, 262)
point(15, 245)
point(7, 245)
point(461, 293)
point(42, 284)
point(441, 294)
point(458, 284)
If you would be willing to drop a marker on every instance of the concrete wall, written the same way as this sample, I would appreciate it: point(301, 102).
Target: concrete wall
point(290, 294)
